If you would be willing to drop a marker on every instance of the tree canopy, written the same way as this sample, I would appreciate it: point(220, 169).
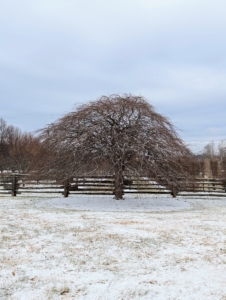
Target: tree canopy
point(119, 135)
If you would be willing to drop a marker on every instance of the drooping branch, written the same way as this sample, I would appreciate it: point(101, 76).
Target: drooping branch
point(116, 135)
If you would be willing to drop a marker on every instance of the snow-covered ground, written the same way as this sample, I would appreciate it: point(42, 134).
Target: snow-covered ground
point(107, 203)
point(99, 248)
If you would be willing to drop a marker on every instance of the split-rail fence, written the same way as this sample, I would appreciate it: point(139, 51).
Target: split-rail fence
point(16, 184)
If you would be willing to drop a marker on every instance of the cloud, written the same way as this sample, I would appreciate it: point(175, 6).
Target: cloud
point(216, 131)
point(55, 54)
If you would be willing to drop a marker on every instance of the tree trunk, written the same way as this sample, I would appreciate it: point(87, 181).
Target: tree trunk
point(118, 191)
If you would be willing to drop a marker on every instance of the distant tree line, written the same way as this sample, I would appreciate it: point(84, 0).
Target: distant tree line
point(19, 150)
point(215, 150)
point(213, 158)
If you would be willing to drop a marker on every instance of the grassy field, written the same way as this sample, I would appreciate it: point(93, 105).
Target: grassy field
point(52, 252)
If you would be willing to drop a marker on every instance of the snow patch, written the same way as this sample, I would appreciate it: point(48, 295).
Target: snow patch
point(107, 203)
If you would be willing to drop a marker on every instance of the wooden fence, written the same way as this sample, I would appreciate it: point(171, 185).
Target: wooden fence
point(16, 184)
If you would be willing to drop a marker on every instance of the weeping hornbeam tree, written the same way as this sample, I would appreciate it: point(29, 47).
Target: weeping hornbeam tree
point(119, 136)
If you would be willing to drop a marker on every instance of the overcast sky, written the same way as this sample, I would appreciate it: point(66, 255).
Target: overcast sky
point(55, 54)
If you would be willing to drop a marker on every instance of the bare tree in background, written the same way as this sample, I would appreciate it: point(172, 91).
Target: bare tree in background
point(116, 135)
point(18, 150)
point(222, 150)
point(222, 158)
point(214, 158)
point(4, 147)
point(209, 150)
point(23, 150)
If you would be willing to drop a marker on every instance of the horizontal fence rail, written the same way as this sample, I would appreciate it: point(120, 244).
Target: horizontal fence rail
point(17, 184)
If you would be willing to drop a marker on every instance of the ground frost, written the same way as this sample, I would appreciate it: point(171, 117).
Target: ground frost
point(50, 252)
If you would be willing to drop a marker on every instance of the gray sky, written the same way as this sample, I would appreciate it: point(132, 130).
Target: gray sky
point(55, 54)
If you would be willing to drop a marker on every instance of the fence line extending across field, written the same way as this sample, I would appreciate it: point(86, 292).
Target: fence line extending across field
point(16, 184)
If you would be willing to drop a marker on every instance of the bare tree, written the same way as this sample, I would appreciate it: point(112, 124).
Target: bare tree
point(222, 159)
point(18, 150)
point(4, 146)
point(23, 150)
point(213, 159)
point(117, 135)
point(209, 150)
point(222, 150)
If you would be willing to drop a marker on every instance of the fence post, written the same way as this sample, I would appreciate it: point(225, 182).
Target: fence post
point(174, 192)
point(14, 186)
point(66, 188)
